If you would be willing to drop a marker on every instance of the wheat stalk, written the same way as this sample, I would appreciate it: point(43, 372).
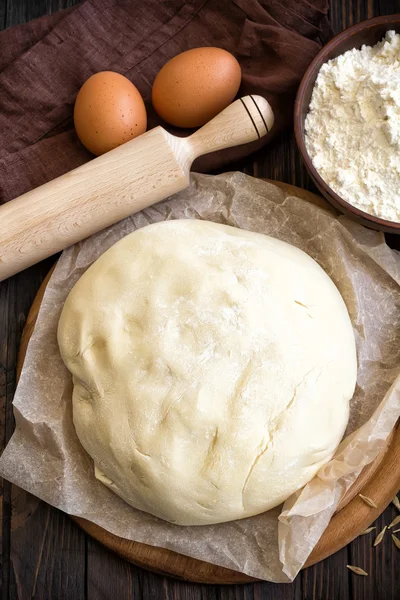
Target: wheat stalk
point(357, 570)
point(396, 541)
point(368, 501)
point(368, 530)
point(394, 522)
point(396, 502)
point(380, 535)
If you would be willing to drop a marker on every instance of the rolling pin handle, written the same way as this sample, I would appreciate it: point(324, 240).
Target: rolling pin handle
point(245, 120)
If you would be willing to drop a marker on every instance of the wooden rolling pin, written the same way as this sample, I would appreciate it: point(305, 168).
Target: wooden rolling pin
point(111, 187)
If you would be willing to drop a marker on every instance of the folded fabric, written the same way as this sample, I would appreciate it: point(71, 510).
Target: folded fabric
point(44, 63)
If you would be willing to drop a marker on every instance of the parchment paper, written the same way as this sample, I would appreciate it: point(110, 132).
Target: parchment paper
point(44, 455)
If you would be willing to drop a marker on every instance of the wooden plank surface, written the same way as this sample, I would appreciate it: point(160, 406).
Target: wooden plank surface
point(45, 556)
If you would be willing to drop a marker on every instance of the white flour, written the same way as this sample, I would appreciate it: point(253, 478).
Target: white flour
point(353, 127)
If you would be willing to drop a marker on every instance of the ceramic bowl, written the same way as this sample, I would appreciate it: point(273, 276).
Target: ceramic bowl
point(368, 32)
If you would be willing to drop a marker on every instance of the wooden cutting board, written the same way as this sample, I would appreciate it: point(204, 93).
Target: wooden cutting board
point(380, 481)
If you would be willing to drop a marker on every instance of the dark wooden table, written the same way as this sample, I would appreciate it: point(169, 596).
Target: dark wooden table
point(44, 555)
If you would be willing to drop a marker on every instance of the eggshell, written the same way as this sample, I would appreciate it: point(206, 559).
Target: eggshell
point(109, 111)
point(196, 85)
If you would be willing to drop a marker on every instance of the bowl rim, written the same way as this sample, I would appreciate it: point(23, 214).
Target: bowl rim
point(298, 126)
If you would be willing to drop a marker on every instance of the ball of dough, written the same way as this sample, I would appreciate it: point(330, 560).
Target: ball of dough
point(212, 369)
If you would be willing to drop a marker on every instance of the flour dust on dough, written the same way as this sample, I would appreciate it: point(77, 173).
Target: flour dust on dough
point(212, 369)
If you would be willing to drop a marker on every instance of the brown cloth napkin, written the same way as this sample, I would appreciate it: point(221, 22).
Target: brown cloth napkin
point(44, 63)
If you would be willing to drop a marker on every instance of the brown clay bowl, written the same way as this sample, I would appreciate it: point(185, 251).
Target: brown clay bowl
point(367, 32)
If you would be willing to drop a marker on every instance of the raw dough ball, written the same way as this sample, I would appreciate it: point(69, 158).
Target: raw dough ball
point(212, 369)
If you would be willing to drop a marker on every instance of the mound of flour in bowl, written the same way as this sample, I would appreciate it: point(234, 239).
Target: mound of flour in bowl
point(353, 127)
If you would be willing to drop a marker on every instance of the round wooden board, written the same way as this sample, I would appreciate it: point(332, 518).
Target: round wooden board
point(380, 480)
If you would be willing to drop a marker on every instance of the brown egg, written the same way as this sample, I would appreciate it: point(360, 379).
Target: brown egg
point(195, 86)
point(109, 111)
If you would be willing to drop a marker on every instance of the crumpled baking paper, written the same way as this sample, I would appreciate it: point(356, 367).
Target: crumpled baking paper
point(45, 457)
